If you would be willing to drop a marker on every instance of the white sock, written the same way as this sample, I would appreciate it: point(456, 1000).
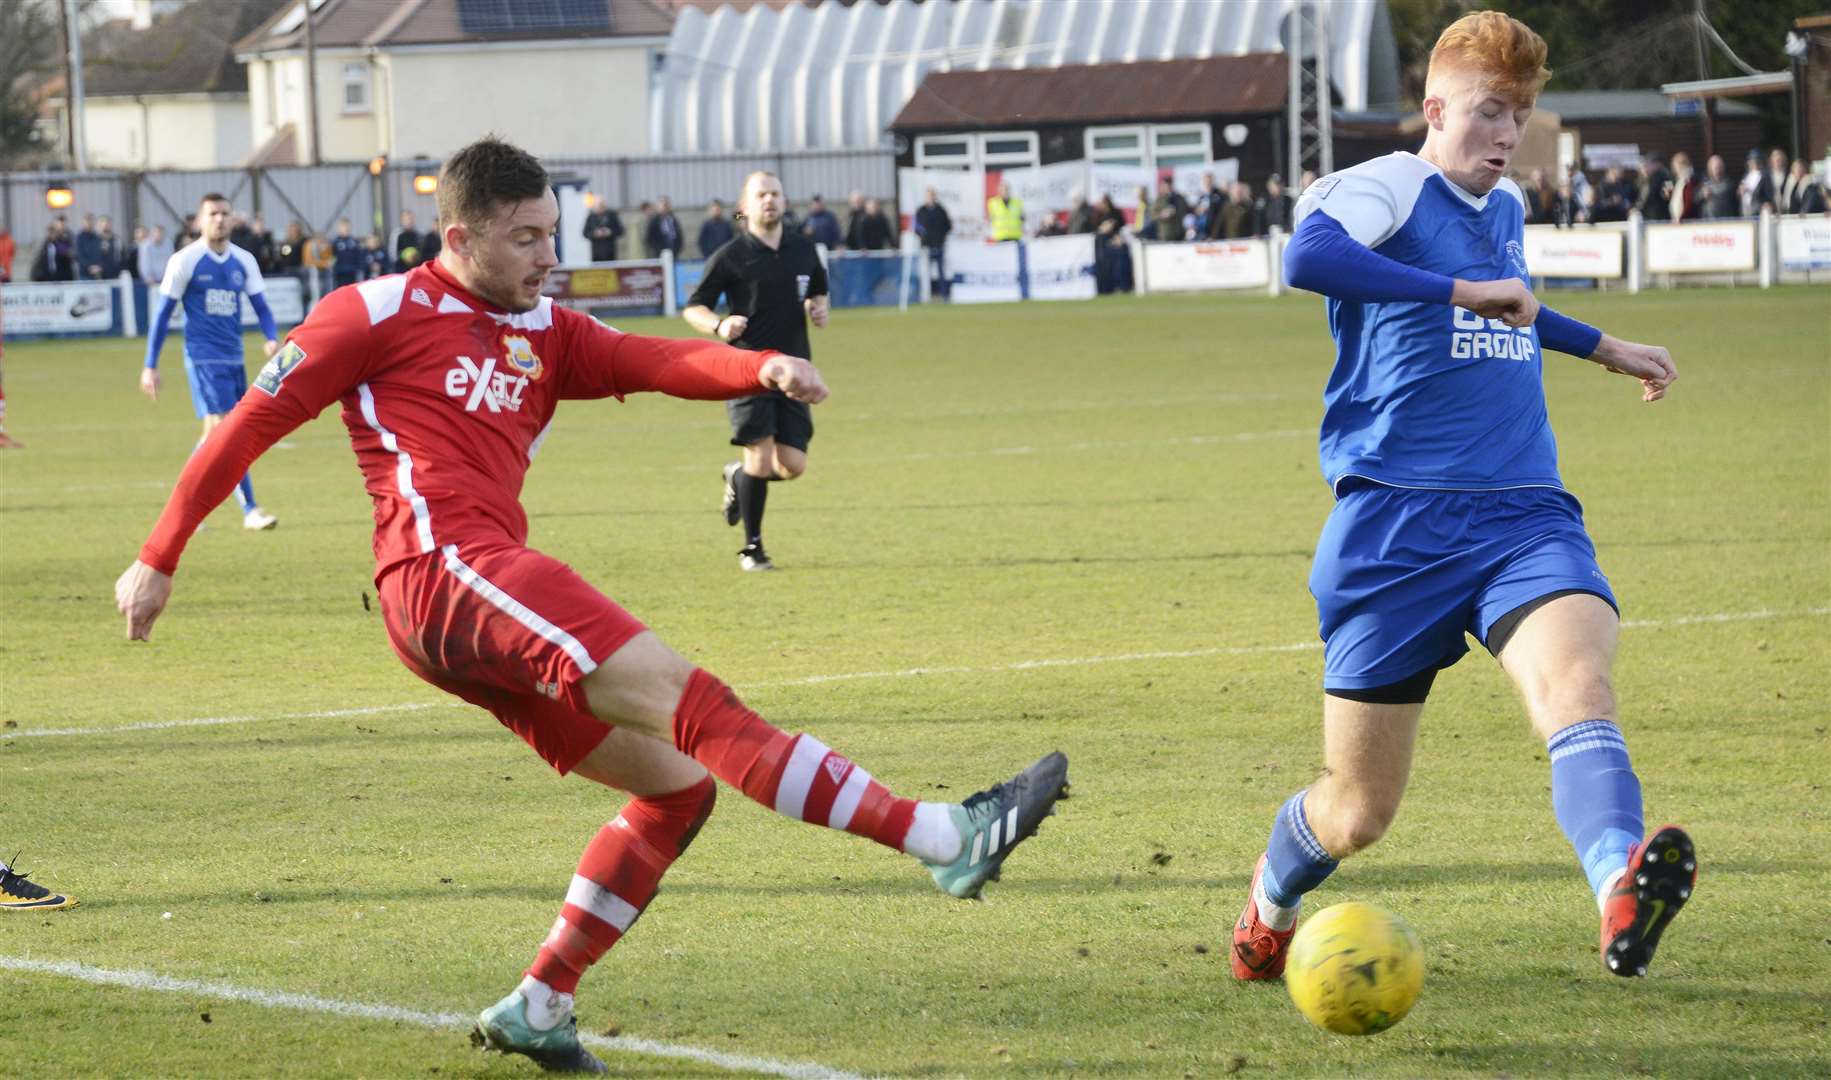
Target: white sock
point(1278, 918)
point(1608, 886)
point(933, 837)
point(547, 1007)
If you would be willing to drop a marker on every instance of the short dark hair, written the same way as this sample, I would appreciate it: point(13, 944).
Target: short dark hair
point(214, 196)
point(483, 177)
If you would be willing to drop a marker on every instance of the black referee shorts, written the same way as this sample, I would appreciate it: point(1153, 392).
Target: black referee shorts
point(772, 415)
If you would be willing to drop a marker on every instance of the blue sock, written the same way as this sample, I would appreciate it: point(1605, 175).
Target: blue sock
point(1295, 861)
point(1596, 797)
point(244, 493)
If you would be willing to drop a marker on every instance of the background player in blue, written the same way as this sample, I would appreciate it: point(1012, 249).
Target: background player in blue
point(1450, 516)
point(208, 277)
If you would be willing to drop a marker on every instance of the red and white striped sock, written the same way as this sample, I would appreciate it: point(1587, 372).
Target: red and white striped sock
point(617, 877)
point(797, 776)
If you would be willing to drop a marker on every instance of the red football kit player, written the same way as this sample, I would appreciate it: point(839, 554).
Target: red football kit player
point(448, 376)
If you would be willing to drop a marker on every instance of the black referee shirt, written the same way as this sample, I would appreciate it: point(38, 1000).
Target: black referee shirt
point(765, 285)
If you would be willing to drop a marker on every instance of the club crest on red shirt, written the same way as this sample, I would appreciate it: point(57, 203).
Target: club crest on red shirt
point(519, 354)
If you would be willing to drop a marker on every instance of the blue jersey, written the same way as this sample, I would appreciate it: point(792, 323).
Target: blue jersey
point(1428, 395)
point(210, 288)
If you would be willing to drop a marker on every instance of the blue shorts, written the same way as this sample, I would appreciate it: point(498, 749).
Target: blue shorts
point(215, 388)
point(1402, 574)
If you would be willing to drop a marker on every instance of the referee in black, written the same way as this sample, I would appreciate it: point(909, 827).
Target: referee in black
point(774, 283)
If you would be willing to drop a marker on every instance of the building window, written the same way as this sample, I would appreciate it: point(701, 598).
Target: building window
point(998, 150)
point(944, 152)
point(1009, 150)
point(1180, 144)
point(1115, 146)
point(355, 88)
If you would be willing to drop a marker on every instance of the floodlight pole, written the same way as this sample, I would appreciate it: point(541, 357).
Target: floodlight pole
point(1308, 115)
point(73, 86)
point(311, 82)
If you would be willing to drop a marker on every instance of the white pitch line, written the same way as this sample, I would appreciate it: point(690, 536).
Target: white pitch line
point(918, 672)
point(280, 999)
point(1229, 650)
point(213, 721)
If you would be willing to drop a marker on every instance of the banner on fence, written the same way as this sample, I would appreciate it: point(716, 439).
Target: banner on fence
point(1188, 178)
point(1122, 183)
point(1805, 242)
point(961, 191)
point(1578, 253)
point(1701, 247)
point(982, 273)
point(1060, 267)
point(1045, 189)
point(629, 287)
point(1205, 265)
point(59, 307)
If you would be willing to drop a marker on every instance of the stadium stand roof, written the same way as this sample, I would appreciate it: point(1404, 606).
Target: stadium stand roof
point(1098, 93)
point(1577, 105)
point(767, 76)
point(379, 23)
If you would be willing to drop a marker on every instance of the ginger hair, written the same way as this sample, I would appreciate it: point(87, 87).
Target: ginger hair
point(1507, 55)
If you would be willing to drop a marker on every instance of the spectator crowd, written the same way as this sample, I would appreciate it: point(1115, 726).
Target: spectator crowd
point(1660, 190)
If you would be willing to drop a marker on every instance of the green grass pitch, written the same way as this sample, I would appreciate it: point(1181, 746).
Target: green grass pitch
point(1084, 526)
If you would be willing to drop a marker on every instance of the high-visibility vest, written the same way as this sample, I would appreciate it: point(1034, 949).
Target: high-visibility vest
point(1006, 217)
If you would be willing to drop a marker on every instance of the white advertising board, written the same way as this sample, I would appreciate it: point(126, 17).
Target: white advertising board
point(1121, 182)
point(982, 273)
point(1060, 267)
point(961, 191)
point(1700, 247)
point(59, 307)
point(1580, 253)
point(1205, 265)
point(1045, 189)
point(1188, 178)
point(1805, 242)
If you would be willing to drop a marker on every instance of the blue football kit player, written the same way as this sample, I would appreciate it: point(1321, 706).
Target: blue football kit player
point(1450, 516)
point(208, 279)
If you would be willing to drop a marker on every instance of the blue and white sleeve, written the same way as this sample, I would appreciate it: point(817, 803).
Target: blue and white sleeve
point(1324, 258)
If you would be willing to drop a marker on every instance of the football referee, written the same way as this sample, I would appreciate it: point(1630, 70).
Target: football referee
point(774, 283)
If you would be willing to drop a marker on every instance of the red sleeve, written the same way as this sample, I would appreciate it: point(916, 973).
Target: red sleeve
point(321, 360)
point(606, 363)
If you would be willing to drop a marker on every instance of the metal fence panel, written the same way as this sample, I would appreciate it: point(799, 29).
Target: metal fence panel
point(603, 176)
point(836, 175)
point(317, 197)
point(23, 209)
point(170, 198)
point(401, 196)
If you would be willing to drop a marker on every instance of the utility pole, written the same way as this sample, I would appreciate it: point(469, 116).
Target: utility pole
point(1707, 107)
point(73, 86)
point(311, 82)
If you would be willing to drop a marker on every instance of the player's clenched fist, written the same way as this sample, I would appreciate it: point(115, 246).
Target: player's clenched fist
point(732, 327)
point(1508, 300)
point(140, 594)
point(1651, 364)
point(795, 377)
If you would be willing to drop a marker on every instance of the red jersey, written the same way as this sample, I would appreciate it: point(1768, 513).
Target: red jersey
point(446, 397)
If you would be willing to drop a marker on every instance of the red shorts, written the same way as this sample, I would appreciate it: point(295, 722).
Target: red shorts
point(512, 631)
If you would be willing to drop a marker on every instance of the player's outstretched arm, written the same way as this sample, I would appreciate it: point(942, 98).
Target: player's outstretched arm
point(1651, 364)
point(141, 594)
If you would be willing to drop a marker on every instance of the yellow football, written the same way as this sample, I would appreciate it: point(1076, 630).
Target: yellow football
point(1355, 969)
